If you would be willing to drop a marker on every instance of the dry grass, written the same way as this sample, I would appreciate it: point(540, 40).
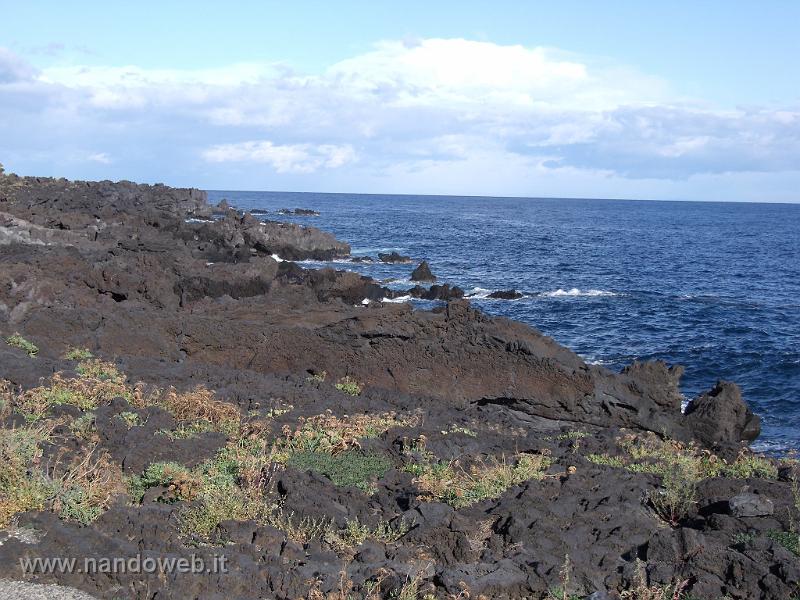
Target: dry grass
point(87, 486)
point(332, 434)
point(79, 490)
point(445, 482)
point(643, 591)
point(196, 407)
point(22, 485)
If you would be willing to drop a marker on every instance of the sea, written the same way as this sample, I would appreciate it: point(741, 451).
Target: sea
point(712, 286)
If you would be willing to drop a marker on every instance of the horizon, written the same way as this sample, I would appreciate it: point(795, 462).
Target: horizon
point(674, 103)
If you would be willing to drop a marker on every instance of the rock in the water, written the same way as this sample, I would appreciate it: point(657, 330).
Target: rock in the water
point(393, 258)
point(505, 295)
point(436, 292)
point(423, 272)
point(721, 417)
point(751, 505)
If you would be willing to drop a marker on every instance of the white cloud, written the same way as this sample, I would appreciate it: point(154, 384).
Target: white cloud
point(99, 157)
point(288, 158)
point(402, 113)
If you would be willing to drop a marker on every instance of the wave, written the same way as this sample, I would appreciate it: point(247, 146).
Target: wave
point(575, 293)
point(398, 300)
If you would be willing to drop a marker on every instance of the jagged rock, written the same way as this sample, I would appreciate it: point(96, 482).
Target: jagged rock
point(423, 272)
point(393, 257)
point(506, 295)
point(721, 418)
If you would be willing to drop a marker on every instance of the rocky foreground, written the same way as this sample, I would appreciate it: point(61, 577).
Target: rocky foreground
point(173, 385)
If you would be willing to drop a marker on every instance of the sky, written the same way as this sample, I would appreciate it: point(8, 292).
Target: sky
point(614, 99)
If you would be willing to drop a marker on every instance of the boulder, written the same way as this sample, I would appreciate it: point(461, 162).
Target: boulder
point(423, 272)
point(721, 418)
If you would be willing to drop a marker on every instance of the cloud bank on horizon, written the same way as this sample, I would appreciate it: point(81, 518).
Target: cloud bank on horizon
point(440, 116)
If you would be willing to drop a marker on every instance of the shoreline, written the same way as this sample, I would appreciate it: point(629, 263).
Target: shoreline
point(439, 420)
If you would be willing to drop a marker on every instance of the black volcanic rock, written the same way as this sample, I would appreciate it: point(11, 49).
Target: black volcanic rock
point(505, 295)
point(394, 257)
point(116, 268)
point(721, 419)
point(423, 272)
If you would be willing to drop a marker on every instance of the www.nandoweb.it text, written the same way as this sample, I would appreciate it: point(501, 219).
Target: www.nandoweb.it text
point(137, 564)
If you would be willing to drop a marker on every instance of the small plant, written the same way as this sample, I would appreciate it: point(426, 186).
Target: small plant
point(487, 479)
point(17, 341)
point(351, 468)
point(87, 487)
point(677, 496)
point(642, 591)
point(460, 429)
point(788, 539)
point(84, 426)
point(743, 539)
point(348, 385)
point(131, 419)
point(79, 354)
point(181, 483)
point(332, 434)
point(561, 591)
point(317, 377)
point(22, 485)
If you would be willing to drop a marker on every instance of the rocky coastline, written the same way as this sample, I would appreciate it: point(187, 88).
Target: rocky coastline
point(173, 383)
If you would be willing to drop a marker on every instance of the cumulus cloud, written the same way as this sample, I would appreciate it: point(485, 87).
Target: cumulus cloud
point(395, 114)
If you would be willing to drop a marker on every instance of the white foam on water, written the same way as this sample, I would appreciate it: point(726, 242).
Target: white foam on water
point(197, 220)
point(478, 292)
point(576, 293)
point(277, 258)
point(398, 300)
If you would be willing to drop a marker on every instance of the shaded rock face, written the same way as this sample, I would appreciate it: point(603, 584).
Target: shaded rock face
point(117, 269)
point(423, 272)
point(721, 419)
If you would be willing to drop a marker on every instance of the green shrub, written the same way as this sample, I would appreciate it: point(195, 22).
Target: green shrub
point(80, 354)
point(788, 539)
point(348, 385)
point(17, 341)
point(351, 468)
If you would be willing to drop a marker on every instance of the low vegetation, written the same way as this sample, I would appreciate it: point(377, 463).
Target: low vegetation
point(348, 385)
point(446, 482)
point(681, 467)
point(79, 487)
point(17, 341)
point(351, 468)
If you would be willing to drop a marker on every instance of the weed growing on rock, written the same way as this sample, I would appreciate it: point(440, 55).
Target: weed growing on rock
point(87, 487)
point(348, 385)
point(332, 434)
point(180, 482)
point(642, 591)
point(79, 354)
point(788, 539)
point(486, 479)
point(651, 455)
point(22, 485)
point(351, 468)
point(84, 426)
point(17, 341)
point(86, 392)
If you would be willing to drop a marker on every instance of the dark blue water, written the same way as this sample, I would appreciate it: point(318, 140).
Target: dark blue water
point(712, 286)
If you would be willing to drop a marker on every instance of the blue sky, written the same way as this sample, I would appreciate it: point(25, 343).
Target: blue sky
point(684, 100)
